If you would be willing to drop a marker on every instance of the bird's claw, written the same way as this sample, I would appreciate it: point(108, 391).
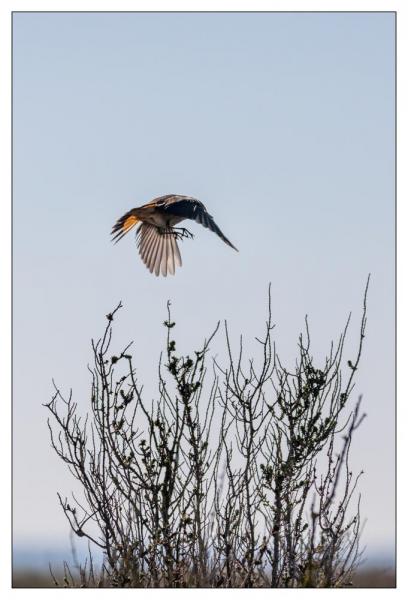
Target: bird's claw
point(187, 234)
point(182, 232)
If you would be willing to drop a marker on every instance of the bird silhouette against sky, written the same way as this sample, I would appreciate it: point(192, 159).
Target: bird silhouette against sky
point(157, 235)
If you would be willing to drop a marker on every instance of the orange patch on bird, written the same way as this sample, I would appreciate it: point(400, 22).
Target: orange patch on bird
point(130, 221)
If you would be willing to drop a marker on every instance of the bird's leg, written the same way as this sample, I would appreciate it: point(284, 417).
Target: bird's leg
point(178, 232)
point(182, 232)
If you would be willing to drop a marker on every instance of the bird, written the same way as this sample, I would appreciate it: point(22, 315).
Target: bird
point(157, 235)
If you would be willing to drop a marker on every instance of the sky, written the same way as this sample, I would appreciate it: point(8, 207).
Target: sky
point(283, 125)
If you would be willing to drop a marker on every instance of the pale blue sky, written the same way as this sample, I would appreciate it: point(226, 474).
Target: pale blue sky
point(283, 125)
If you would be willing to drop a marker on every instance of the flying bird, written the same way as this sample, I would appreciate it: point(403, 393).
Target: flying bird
point(157, 235)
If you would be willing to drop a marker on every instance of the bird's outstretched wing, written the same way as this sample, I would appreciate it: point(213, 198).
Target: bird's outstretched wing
point(191, 208)
point(159, 251)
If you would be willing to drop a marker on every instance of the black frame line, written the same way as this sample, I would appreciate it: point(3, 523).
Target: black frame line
point(199, 12)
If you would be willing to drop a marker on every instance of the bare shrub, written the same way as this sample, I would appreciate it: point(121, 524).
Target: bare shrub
point(234, 476)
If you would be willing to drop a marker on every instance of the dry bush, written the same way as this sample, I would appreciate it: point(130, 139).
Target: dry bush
point(234, 476)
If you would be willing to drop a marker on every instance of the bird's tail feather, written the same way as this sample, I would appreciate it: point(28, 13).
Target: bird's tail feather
point(124, 225)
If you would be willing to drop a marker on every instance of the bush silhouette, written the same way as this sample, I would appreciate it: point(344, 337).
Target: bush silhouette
point(234, 476)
